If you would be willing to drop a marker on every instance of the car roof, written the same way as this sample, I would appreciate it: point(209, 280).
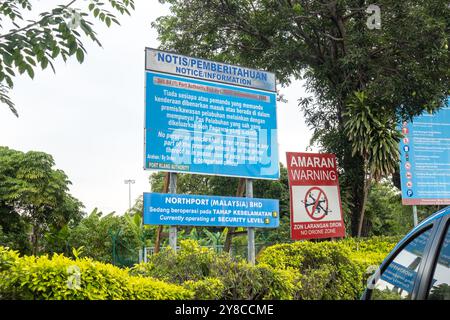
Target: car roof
point(434, 216)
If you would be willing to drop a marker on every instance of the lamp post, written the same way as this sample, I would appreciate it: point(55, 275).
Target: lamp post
point(129, 182)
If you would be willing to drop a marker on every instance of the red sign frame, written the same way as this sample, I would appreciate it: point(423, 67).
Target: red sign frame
point(311, 176)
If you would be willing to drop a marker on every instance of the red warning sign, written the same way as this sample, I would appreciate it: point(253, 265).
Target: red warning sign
point(316, 210)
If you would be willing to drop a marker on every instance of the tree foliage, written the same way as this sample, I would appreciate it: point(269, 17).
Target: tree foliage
point(28, 44)
point(32, 191)
point(375, 139)
point(109, 238)
point(385, 214)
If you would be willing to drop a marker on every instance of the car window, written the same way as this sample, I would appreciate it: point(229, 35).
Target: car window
point(398, 278)
point(440, 282)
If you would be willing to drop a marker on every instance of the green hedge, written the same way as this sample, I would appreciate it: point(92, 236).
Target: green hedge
point(329, 269)
point(301, 270)
point(218, 276)
point(325, 268)
point(369, 252)
point(58, 277)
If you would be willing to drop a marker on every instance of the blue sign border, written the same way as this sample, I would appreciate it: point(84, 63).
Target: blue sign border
point(210, 211)
point(425, 159)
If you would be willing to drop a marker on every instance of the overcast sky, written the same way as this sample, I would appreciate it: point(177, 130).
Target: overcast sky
point(90, 117)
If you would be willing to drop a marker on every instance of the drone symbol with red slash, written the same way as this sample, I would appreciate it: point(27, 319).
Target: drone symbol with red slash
point(316, 203)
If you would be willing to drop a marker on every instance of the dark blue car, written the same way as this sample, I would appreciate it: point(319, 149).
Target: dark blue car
point(418, 268)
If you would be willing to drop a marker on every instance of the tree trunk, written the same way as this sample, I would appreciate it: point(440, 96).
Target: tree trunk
point(158, 239)
point(231, 230)
point(35, 240)
point(160, 228)
point(353, 183)
point(367, 183)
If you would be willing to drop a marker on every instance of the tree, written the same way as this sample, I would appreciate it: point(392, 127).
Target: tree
point(26, 45)
point(14, 230)
point(402, 66)
point(32, 189)
point(375, 139)
point(385, 215)
point(107, 237)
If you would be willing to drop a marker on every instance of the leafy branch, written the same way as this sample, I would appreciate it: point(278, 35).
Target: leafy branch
point(60, 32)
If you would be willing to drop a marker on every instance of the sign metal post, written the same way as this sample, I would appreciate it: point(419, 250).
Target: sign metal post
point(416, 219)
point(250, 231)
point(173, 229)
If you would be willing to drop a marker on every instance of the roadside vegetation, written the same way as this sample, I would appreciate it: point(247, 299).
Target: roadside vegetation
point(301, 270)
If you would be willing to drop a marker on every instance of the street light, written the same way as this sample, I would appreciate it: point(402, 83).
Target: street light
point(129, 182)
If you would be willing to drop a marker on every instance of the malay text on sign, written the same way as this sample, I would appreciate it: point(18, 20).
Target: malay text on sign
point(206, 127)
point(425, 159)
point(177, 64)
point(315, 200)
point(210, 211)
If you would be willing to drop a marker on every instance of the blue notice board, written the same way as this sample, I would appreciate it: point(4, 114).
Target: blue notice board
point(210, 211)
point(194, 125)
point(425, 159)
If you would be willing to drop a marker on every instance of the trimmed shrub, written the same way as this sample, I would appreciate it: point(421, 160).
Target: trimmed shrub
point(207, 289)
point(8, 258)
point(325, 268)
point(301, 270)
point(60, 278)
point(238, 279)
point(191, 262)
point(369, 253)
point(329, 270)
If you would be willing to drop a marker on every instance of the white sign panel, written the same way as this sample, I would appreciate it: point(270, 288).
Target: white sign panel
point(185, 66)
point(315, 203)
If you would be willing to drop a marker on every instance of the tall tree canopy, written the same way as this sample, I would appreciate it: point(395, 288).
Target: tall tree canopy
point(400, 68)
point(27, 43)
point(30, 188)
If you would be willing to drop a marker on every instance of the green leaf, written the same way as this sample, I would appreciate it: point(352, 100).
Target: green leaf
point(56, 51)
point(80, 55)
point(30, 72)
point(31, 61)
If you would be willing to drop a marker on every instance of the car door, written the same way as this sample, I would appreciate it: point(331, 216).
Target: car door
point(399, 276)
point(435, 282)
